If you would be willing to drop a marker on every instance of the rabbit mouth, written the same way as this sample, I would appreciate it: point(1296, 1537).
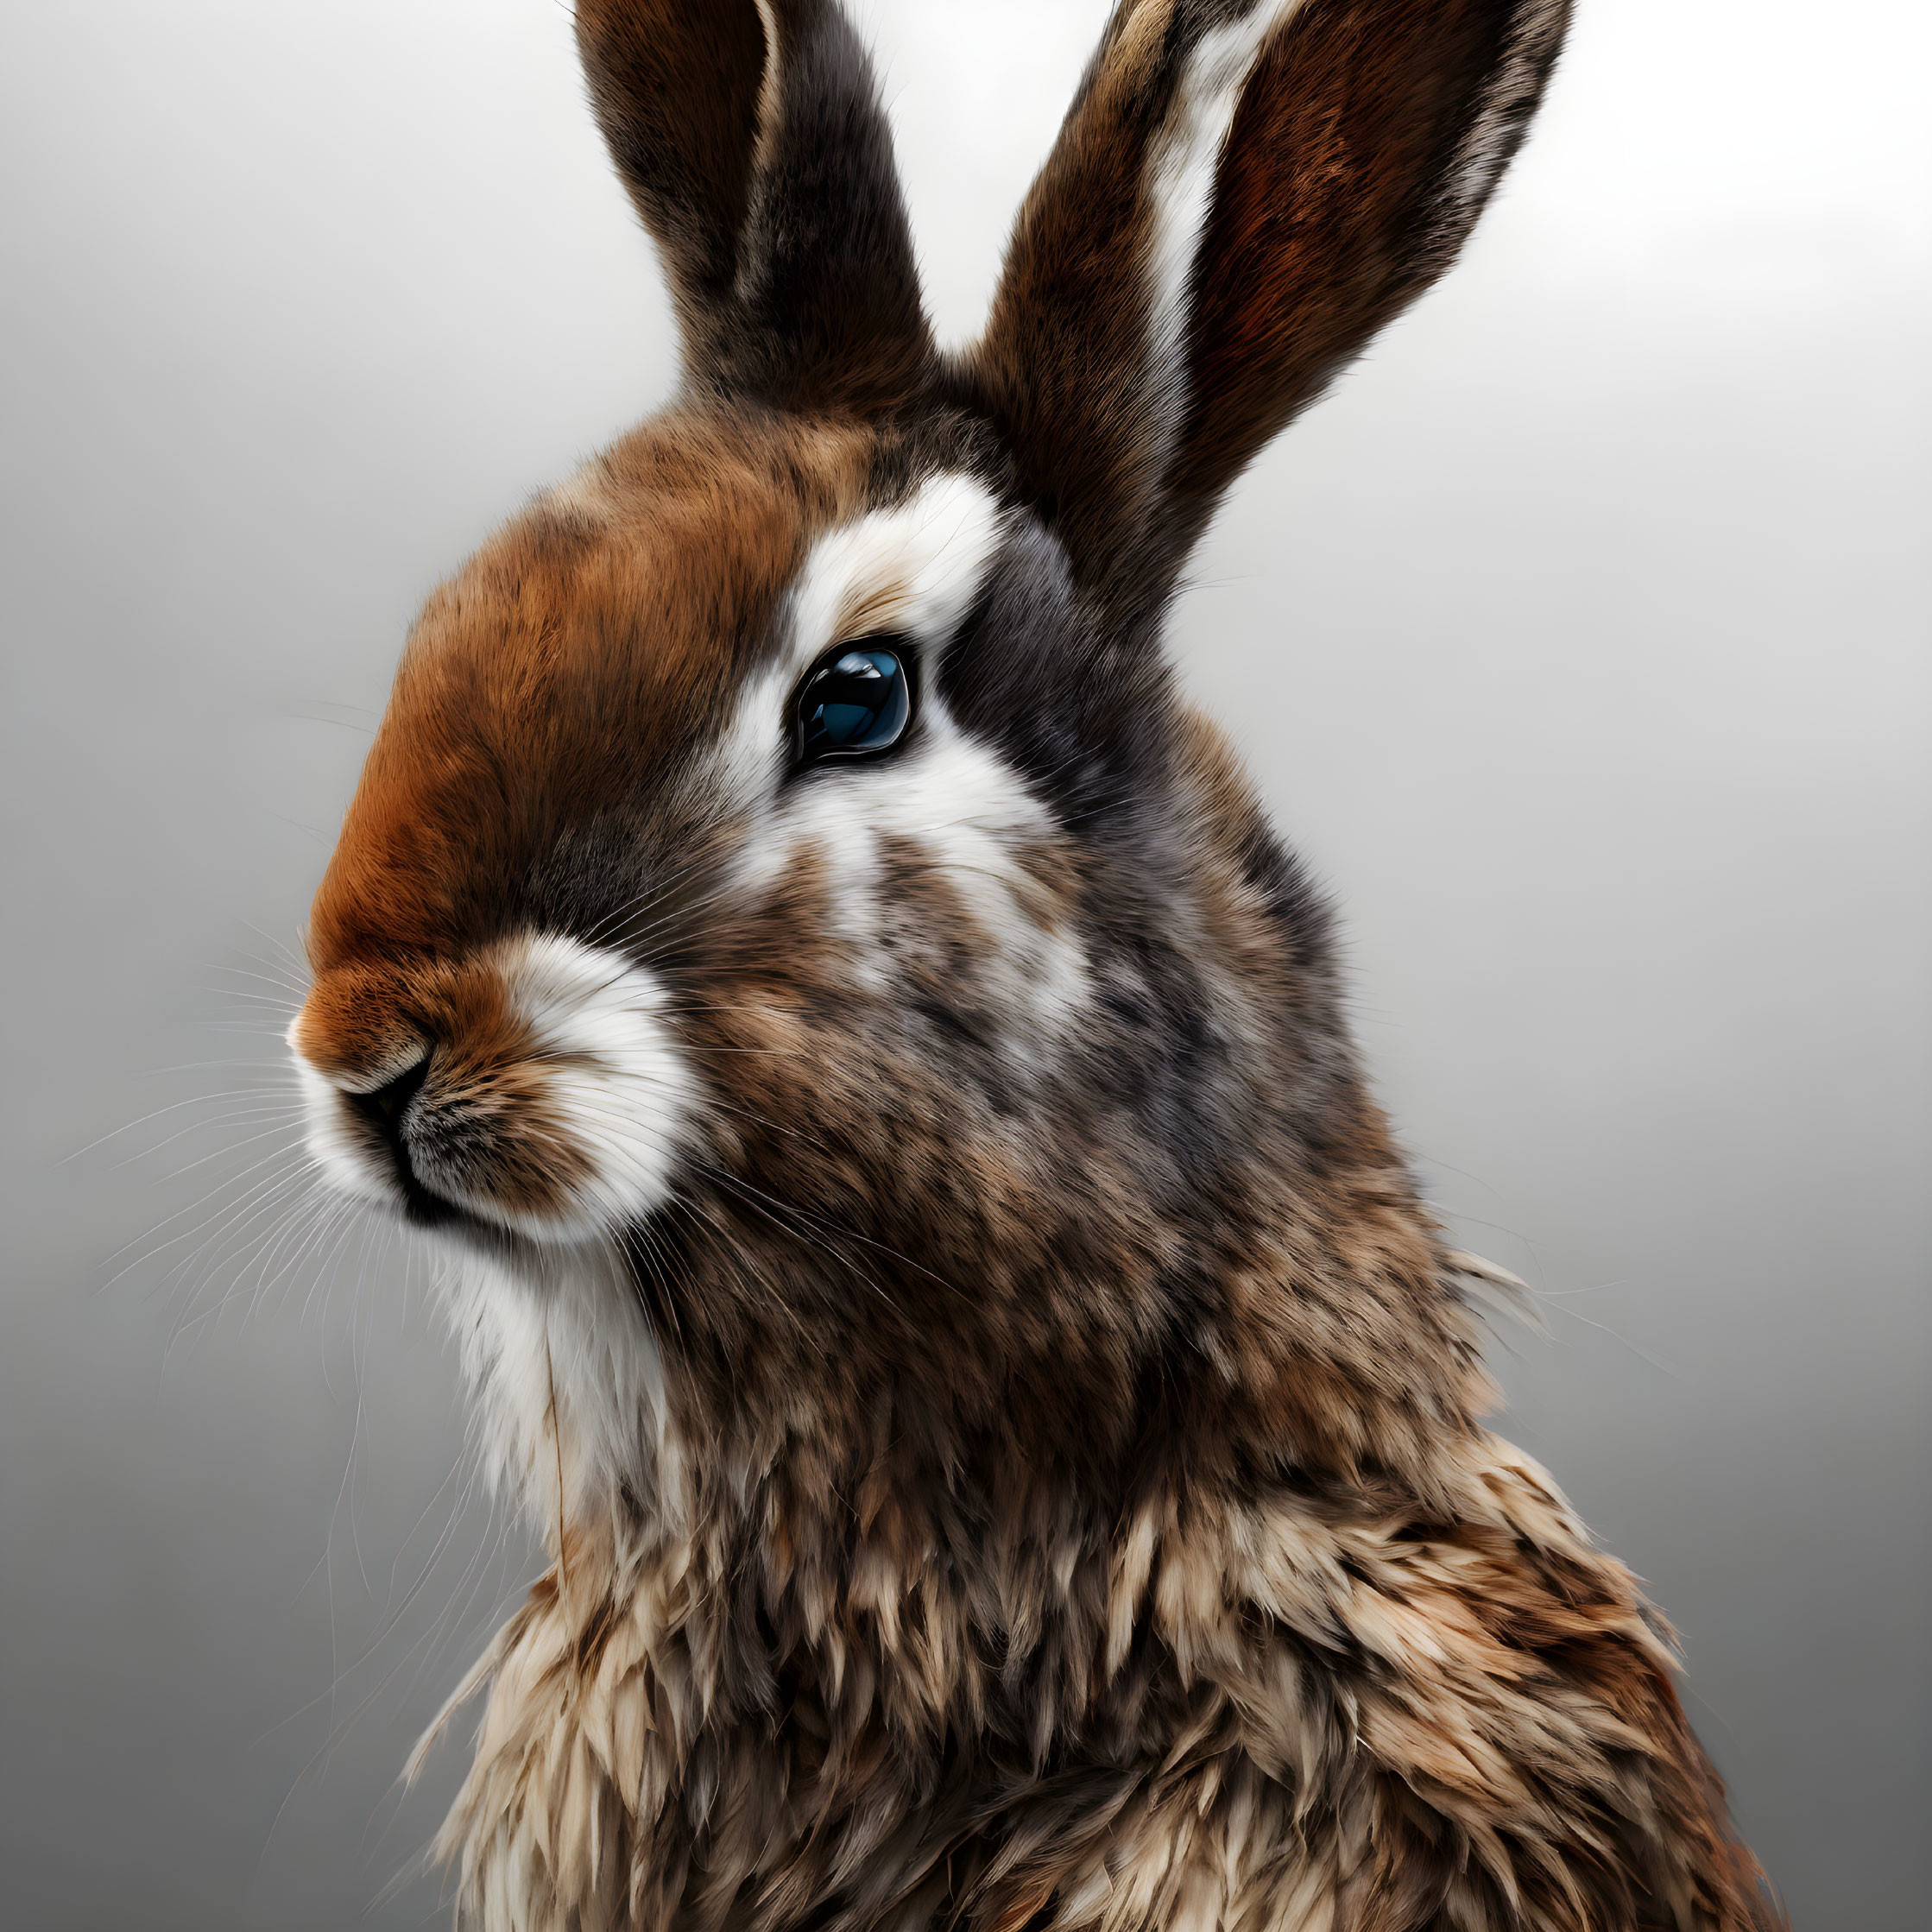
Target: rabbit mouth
point(387, 1113)
point(535, 1091)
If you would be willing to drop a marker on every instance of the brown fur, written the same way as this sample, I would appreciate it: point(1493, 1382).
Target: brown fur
point(544, 684)
point(1026, 1468)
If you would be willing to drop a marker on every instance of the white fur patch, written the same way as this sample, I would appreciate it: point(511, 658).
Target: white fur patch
point(567, 1384)
point(913, 569)
point(1188, 160)
point(973, 816)
point(613, 1074)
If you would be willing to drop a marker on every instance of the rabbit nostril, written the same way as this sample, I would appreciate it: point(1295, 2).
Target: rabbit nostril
point(383, 1107)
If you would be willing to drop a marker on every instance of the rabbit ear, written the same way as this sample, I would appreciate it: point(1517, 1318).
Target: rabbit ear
point(750, 138)
point(1243, 192)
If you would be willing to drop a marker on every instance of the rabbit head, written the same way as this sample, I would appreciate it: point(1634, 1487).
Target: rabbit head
point(790, 941)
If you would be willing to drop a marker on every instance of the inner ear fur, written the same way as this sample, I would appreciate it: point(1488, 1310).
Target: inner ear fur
point(1244, 191)
point(749, 137)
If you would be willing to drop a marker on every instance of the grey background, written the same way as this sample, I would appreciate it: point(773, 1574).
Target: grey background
point(1579, 640)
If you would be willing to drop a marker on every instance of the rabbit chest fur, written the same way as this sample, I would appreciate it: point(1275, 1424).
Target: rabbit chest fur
point(863, 1676)
point(1009, 1434)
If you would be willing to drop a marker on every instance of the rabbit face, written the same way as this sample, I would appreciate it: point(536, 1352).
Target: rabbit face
point(611, 959)
point(589, 819)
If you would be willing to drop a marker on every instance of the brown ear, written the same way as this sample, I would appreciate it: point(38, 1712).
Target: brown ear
point(750, 136)
point(1243, 192)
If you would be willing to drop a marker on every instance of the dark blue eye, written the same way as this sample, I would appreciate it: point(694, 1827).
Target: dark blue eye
point(856, 700)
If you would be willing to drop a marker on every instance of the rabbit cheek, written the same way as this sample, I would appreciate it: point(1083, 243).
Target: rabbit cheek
point(559, 1110)
point(619, 1101)
point(938, 877)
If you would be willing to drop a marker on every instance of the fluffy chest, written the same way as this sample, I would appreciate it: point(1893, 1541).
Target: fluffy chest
point(1232, 1707)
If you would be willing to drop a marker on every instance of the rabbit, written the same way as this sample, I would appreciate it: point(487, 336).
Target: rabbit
point(1009, 1436)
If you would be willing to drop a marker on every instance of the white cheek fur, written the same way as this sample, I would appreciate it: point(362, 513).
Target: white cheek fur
point(969, 812)
point(614, 1075)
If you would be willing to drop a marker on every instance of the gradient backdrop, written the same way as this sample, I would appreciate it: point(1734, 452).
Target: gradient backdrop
point(1580, 639)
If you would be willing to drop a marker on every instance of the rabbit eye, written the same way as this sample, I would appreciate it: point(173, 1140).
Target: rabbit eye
point(856, 702)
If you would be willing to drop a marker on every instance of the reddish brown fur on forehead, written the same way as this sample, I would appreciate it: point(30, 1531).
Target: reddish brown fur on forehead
point(569, 659)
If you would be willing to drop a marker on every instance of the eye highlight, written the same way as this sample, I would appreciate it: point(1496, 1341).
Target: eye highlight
point(854, 702)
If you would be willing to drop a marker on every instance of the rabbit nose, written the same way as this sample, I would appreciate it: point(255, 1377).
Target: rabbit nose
point(383, 1107)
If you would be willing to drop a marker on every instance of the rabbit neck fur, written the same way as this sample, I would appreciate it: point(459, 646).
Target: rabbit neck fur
point(865, 1669)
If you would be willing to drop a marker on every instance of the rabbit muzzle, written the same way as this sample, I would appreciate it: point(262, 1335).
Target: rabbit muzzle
point(534, 1087)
